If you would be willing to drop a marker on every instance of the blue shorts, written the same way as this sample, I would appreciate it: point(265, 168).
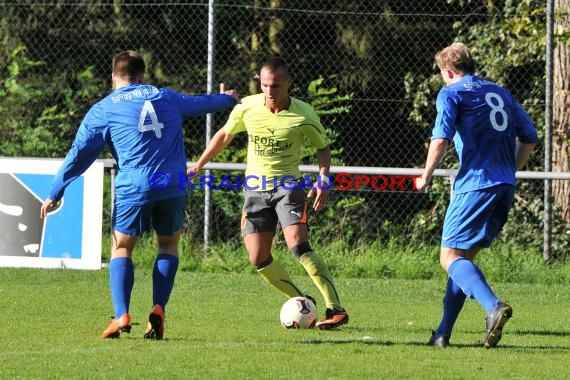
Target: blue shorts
point(166, 217)
point(473, 219)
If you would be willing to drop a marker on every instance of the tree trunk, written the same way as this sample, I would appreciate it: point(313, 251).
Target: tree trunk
point(275, 26)
point(561, 112)
point(255, 46)
point(119, 22)
point(264, 38)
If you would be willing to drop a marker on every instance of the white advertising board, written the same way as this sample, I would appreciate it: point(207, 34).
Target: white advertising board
point(69, 237)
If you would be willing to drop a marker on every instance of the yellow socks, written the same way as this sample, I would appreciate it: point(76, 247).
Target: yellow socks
point(319, 273)
point(276, 276)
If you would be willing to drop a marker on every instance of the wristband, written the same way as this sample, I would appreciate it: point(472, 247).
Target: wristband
point(325, 180)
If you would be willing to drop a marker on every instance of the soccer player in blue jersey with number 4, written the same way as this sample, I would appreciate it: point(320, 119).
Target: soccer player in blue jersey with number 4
point(484, 122)
point(142, 125)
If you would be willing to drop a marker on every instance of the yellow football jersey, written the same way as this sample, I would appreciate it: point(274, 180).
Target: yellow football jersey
point(274, 140)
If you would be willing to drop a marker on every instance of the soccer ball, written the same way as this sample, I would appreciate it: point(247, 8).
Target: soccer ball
point(298, 313)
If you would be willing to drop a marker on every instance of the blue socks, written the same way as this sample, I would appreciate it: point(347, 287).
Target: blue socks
point(470, 279)
point(163, 274)
point(452, 304)
point(121, 279)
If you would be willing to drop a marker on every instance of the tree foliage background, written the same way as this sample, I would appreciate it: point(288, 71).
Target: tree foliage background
point(366, 65)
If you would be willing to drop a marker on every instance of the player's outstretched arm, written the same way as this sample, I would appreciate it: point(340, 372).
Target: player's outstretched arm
point(220, 140)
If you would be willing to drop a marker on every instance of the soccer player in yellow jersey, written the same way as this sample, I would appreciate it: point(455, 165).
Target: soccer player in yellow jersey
point(277, 126)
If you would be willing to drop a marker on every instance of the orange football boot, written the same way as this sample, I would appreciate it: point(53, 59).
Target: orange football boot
point(117, 326)
point(333, 319)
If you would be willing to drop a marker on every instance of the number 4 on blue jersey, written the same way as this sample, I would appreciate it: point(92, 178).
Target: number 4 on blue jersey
point(154, 125)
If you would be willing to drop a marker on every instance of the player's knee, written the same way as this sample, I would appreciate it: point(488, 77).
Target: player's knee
point(300, 249)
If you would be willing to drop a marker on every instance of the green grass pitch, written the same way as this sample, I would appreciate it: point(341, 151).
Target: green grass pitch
point(226, 326)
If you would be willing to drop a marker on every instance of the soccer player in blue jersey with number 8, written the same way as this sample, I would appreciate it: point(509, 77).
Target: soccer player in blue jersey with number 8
point(484, 122)
point(142, 125)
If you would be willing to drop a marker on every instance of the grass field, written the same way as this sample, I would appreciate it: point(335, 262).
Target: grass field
point(226, 326)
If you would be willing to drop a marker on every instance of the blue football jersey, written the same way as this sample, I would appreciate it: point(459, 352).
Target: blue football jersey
point(484, 122)
point(142, 125)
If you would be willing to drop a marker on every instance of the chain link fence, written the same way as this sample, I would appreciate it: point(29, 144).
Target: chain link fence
point(377, 56)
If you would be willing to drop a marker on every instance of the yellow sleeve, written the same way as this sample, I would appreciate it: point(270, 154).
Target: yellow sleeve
point(235, 122)
point(314, 130)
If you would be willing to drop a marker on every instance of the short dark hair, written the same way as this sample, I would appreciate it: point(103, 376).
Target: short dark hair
point(457, 58)
point(129, 65)
point(276, 64)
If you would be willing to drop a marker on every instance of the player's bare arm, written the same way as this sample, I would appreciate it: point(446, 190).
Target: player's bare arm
point(321, 187)
point(522, 154)
point(218, 143)
point(436, 151)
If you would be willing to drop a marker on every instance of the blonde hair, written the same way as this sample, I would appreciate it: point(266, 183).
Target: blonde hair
point(457, 58)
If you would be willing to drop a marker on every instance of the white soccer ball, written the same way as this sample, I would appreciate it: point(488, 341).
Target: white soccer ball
point(298, 313)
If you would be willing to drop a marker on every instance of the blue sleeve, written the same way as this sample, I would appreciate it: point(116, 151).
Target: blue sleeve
point(446, 107)
point(526, 132)
point(196, 105)
point(88, 144)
